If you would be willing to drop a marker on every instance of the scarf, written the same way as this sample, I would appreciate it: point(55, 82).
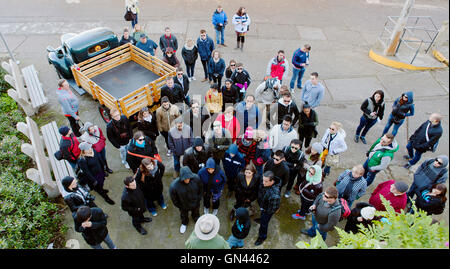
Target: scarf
point(92, 138)
point(149, 118)
point(317, 178)
point(153, 172)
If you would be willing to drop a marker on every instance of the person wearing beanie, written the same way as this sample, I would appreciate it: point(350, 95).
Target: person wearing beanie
point(119, 133)
point(364, 214)
point(307, 124)
point(92, 166)
point(240, 228)
point(233, 163)
point(393, 191)
point(430, 172)
point(213, 180)
point(218, 140)
point(403, 107)
point(68, 146)
point(309, 189)
point(196, 156)
point(94, 136)
point(165, 115)
point(246, 145)
point(69, 104)
point(77, 194)
point(186, 193)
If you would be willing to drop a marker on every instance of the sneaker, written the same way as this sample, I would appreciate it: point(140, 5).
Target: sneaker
point(223, 45)
point(205, 79)
point(164, 206)
point(305, 231)
point(141, 230)
point(205, 210)
point(193, 78)
point(406, 157)
point(190, 79)
point(215, 212)
point(259, 241)
point(356, 138)
point(154, 213)
point(169, 153)
point(183, 228)
point(287, 194)
point(126, 166)
point(363, 140)
point(298, 216)
point(407, 166)
point(292, 91)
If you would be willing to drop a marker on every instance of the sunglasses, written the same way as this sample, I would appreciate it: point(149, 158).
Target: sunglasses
point(276, 159)
point(436, 160)
point(180, 74)
point(141, 139)
point(240, 69)
point(232, 65)
point(295, 148)
point(332, 129)
point(328, 197)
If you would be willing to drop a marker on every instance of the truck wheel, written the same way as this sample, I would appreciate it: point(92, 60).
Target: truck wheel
point(104, 113)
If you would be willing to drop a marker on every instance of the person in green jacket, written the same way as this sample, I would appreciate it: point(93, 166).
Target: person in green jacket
point(205, 234)
point(379, 156)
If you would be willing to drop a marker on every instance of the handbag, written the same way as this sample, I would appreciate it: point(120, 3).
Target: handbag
point(129, 16)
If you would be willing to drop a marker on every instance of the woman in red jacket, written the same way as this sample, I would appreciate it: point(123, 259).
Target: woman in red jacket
point(94, 136)
point(230, 122)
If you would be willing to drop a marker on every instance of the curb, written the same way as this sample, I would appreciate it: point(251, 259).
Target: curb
point(399, 65)
point(441, 58)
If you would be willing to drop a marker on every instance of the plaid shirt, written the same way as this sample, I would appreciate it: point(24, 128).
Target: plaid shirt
point(269, 198)
point(248, 152)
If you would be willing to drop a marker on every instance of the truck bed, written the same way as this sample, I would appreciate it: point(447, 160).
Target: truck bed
point(124, 79)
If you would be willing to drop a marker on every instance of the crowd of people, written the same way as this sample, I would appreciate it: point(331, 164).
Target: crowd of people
point(258, 145)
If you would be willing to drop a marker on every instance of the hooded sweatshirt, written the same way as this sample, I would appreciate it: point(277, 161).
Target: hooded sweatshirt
point(281, 109)
point(380, 156)
point(233, 165)
point(265, 93)
point(427, 175)
point(216, 180)
point(400, 112)
point(312, 186)
point(186, 196)
point(279, 138)
point(241, 226)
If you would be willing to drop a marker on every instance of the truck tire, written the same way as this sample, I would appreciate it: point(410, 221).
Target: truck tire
point(104, 113)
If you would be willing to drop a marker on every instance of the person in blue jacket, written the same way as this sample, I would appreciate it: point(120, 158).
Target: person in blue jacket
point(403, 107)
point(233, 163)
point(147, 45)
point(219, 20)
point(300, 60)
point(216, 68)
point(213, 180)
point(205, 46)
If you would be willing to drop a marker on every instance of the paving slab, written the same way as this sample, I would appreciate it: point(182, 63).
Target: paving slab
point(442, 77)
point(310, 33)
point(276, 31)
point(352, 89)
point(157, 27)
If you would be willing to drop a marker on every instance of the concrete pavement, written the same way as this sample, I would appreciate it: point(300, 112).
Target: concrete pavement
point(340, 34)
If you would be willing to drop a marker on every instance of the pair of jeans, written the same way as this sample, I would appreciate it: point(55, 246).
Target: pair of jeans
point(134, 22)
point(413, 190)
point(264, 224)
point(365, 124)
point(108, 242)
point(369, 176)
point(176, 162)
point(293, 173)
point(413, 153)
point(151, 204)
point(220, 35)
point(315, 226)
point(137, 220)
point(389, 124)
point(207, 197)
point(73, 164)
point(217, 79)
point(305, 205)
point(297, 74)
point(74, 125)
point(184, 214)
point(235, 243)
point(205, 67)
point(189, 69)
point(123, 153)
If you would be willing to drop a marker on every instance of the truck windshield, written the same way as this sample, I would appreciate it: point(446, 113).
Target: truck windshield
point(98, 48)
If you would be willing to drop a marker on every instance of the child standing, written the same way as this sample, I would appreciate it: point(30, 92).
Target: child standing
point(240, 229)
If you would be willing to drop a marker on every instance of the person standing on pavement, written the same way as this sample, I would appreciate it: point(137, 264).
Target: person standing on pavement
point(133, 202)
point(186, 193)
point(432, 201)
point(68, 146)
point(246, 188)
point(180, 139)
point(214, 99)
point(168, 40)
point(393, 191)
point(126, 38)
point(233, 163)
point(295, 159)
point(230, 93)
point(282, 134)
point(326, 211)
point(380, 154)
point(149, 179)
point(147, 123)
point(230, 69)
point(300, 60)
point(133, 6)
point(373, 110)
point(94, 136)
point(241, 23)
point(77, 194)
point(364, 214)
point(240, 228)
point(285, 106)
point(333, 143)
point(309, 189)
point(219, 20)
point(138, 32)
point(267, 94)
point(140, 147)
point(403, 107)
point(183, 80)
point(269, 199)
point(216, 68)
point(218, 140)
point(171, 59)
point(313, 91)
point(189, 52)
point(247, 145)
point(205, 234)
point(196, 156)
point(307, 123)
point(241, 78)
point(278, 67)
point(91, 223)
point(147, 45)
point(430, 172)
point(119, 133)
point(247, 113)
point(351, 184)
point(69, 104)
point(213, 180)
point(198, 118)
point(165, 115)
point(277, 165)
point(205, 47)
point(230, 122)
point(424, 139)
point(263, 151)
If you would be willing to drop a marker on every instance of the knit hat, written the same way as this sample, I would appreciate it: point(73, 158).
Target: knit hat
point(143, 35)
point(306, 105)
point(198, 141)
point(368, 212)
point(248, 133)
point(207, 227)
point(84, 146)
point(401, 186)
point(233, 149)
point(317, 147)
point(87, 125)
point(66, 181)
point(64, 130)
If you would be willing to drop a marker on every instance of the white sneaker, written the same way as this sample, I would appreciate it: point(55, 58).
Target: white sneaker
point(190, 79)
point(126, 165)
point(215, 212)
point(182, 228)
point(205, 210)
point(292, 91)
point(169, 153)
point(193, 78)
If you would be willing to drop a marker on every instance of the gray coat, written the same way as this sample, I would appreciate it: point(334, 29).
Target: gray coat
point(427, 175)
point(179, 141)
point(325, 216)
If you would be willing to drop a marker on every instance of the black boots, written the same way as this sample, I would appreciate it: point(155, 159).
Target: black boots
point(103, 193)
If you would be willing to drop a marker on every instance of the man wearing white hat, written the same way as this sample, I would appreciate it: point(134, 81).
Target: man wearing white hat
point(205, 234)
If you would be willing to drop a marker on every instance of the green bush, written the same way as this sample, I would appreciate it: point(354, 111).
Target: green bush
point(7, 104)
point(10, 146)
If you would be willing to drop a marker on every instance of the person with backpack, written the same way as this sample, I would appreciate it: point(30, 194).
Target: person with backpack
point(424, 139)
point(133, 7)
point(326, 211)
point(240, 228)
point(267, 93)
point(373, 110)
point(430, 172)
point(403, 107)
point(68, 147)
point(432, 201)
point(351, 184)
point(309, 190)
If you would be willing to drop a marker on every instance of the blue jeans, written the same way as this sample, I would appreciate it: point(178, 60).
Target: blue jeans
point(189, 69)
point(413, 153)
point(264, 224)
point(389, 124)
point(176, 162)
point(151, 205)
point(234, 242)
point(73, 164)
point(134, 22)
point(366, 124)
point(297, 74)
point(312, 231)
point(108, 242)
point(220, 34)
point(369, 176)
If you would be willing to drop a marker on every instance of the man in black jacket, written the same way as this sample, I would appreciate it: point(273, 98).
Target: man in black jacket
point(173, 91)
point(295, 159)
point(133, 202)
point(186, 193)
point(168, 40)
point(77, 194)
point(198, 118)
point(269, 201)
point(278, 166)
point(119, 133)
point(91, 223)
point(183, 80)
point(424, 139)
point(196, 156)
point(285, 106)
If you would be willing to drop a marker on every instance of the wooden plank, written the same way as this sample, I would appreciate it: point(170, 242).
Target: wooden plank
point(124, 108)
point(34, 86)
point(106, 68)
point(106, 53)
point(18, 81)
point(105, 59)
point(130, 99)
point(125, 57)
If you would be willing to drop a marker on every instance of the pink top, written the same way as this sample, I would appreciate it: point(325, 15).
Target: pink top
point(397, 202)
point(233, 126)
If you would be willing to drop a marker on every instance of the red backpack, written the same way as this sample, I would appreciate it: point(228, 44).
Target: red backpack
point(343, 206)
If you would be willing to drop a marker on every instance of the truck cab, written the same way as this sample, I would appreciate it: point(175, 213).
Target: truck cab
point(76, 48)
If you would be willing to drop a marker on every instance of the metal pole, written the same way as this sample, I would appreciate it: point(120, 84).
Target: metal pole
point(9, 51)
